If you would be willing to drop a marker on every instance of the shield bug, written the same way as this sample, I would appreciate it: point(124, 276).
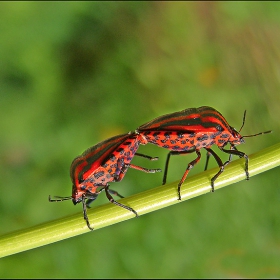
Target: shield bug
point(106, 162)
point(189, 131)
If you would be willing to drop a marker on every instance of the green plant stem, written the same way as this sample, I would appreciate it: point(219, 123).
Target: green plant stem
point(145, 202)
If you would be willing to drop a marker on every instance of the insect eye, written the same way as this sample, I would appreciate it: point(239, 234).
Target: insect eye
point(76, 199)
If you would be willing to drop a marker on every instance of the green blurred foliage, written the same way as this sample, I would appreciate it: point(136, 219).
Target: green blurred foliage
point(75, 73)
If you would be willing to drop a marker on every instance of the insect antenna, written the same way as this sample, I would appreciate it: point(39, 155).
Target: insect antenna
point(243, 122)
point(60, 198)
point(260, 133)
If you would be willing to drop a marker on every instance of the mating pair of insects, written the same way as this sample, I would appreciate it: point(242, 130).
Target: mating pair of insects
point(181, 132)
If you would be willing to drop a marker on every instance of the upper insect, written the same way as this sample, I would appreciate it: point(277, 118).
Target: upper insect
point(189, 131)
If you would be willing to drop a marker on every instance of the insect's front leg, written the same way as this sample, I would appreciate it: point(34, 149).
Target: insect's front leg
point(234, 151)
point(220, 163)
point(85, 211)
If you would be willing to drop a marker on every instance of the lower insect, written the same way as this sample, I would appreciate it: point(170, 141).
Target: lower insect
point(101, 164)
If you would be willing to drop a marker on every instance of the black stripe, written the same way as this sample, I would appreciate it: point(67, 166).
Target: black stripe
point(170, 118)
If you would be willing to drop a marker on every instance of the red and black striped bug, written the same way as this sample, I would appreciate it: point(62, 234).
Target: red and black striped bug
point(106, 162)
point(189, 131)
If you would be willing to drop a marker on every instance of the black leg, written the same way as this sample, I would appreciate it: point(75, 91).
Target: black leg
point(208, 154)
point(110, 198)
point(172, 153)
point(145, 156)
point(190, 166)
point(221, 165)
point(241, 155)
point(85, 212)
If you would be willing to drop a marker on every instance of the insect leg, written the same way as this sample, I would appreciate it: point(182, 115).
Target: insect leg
point(92, 197)
point(234, 151)
point(208, 154)
point(110, 198)
point(145, 156)
point(221, 165)
point(124, 166)
point(85, 212)
point(115, 193)
point(172, 153)
point(190, 166)
point(232, 147)
point(146, 170)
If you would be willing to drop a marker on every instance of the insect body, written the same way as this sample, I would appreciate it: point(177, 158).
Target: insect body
point(106, 162)
point(191, 130)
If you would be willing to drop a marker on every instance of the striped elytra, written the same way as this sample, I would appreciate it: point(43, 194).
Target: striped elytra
point(107, 161)
point(189, 131)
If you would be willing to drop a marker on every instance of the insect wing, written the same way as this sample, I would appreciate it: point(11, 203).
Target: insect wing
point(171, 121)
point(192, 120)
point(94, 157)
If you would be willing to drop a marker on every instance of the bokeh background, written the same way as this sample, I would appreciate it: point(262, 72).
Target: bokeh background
point(75, 73)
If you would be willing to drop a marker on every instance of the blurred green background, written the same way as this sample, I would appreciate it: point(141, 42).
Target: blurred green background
point(75, 73)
